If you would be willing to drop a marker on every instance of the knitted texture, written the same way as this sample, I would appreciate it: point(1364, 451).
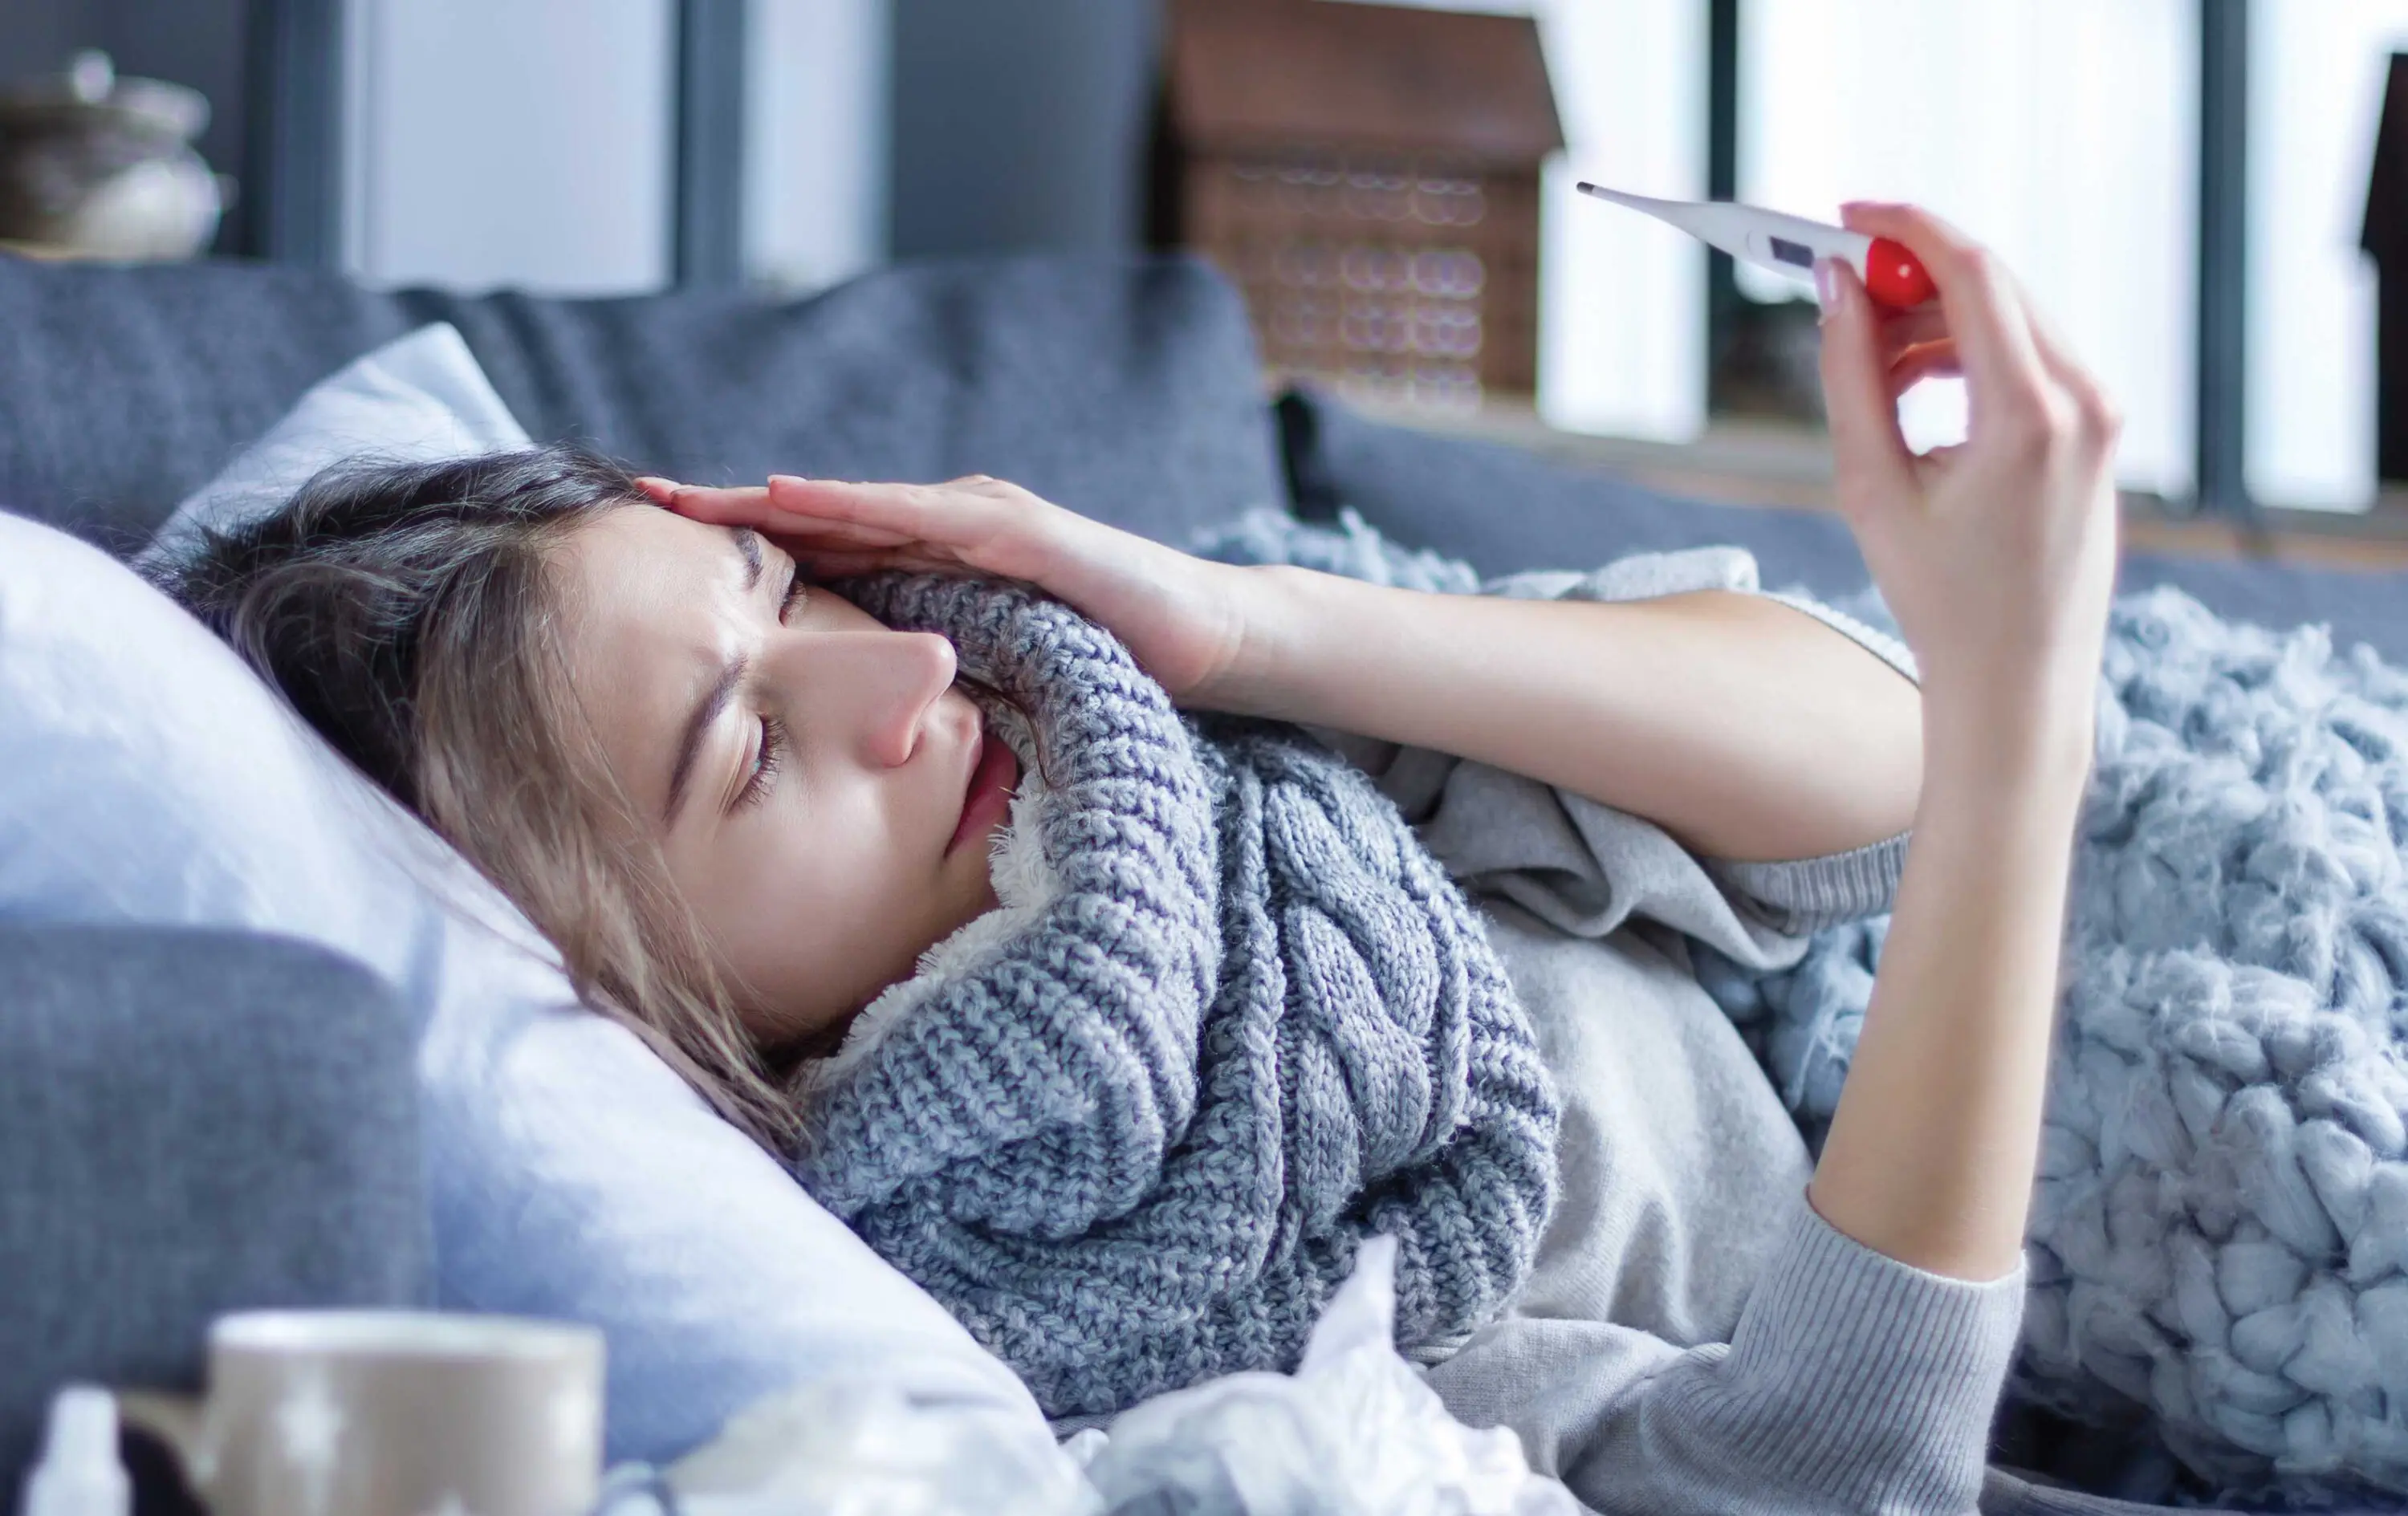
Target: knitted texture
point(2219, 1245)
point(1230, 1019)
point(2220, 1229)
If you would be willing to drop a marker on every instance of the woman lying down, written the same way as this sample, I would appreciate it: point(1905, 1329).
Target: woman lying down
point(1088, 922)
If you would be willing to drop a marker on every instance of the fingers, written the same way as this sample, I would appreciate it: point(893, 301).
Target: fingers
point(2003, 369)
point(1915, 346)
point(1869, 454)
point(1924, 360)
point(719, 505)
point(873, 513)
point(2021, 377)
point(2098, 422)
point(788, 506)
point(983, 523)
point(957, 514)
point(1901, 329)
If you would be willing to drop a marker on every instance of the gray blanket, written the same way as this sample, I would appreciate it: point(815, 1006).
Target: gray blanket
point(2220, 1231)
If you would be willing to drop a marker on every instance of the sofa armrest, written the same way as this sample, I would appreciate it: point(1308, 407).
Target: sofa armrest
point(191, 1122)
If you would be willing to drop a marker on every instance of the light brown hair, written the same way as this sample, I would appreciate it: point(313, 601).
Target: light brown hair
point(407, 611)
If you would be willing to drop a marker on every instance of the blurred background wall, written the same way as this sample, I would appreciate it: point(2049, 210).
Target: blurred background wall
point(1019, 125)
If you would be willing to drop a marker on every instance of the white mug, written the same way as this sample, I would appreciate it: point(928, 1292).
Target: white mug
point(388, 1413)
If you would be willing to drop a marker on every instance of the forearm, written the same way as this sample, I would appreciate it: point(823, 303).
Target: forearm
point(1930, 1154)
point(1745, 728)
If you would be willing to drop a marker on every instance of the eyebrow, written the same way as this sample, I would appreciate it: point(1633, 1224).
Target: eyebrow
point(748, 542)
point(714, 700)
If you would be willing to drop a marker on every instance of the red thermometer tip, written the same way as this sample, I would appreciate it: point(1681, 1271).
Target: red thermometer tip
point(1896, 277)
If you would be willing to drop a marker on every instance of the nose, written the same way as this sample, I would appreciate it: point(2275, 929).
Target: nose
point(872, 688)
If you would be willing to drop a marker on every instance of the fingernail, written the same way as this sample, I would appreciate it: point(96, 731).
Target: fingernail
point(1827, 286)
point(653, 481)
point(787, 479)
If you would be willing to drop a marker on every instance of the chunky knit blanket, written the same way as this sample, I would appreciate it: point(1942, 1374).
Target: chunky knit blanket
point(2219, 1237)
point(1229, 1019)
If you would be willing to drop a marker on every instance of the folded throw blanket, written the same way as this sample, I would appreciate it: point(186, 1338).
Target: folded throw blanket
point(1230, 1019)
point(2219, 1236)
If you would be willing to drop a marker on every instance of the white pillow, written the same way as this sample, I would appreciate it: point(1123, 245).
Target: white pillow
point(147, 774)
point(416, 399)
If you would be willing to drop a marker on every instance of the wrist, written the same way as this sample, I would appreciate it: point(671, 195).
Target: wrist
point(2040, 724)
point(2029, 779)
point(1265, 603)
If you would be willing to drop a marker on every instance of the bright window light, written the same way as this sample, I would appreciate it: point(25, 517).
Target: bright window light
point(1622, 298)
point(815, 150)
point(526, 143)
point(2316, 69)
point(2062, 132)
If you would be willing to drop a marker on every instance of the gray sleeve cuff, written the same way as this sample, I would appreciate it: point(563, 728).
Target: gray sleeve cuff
point(1869, 1385)
point(1883, 646)
point(1805, 895)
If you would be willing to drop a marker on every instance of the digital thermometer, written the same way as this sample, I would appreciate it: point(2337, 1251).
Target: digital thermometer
point(1789, 244)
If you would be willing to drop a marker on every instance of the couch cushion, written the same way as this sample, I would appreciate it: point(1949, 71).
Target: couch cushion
point(1504, 509)
point(1124, 387)
point(191, 1122)
point(1507, 509)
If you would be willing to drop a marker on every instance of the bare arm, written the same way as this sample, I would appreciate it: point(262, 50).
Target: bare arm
point(1930, 1152)
point(1997, 557)
point(1745, 728)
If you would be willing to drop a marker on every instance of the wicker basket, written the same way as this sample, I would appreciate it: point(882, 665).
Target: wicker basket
point(1320, 155)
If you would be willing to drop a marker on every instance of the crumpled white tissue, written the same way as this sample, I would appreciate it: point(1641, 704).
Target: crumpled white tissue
point(1353, 1431)
point(844, 1448)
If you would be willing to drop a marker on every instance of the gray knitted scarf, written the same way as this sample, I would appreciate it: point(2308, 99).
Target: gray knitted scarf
point(1230, 1019)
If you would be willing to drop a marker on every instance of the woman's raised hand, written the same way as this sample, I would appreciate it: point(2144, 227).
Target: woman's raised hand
point(1998, 554)
point(1183, 618)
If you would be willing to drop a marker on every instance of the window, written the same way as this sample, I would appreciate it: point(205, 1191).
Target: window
point(1622, 299)
point(2315, 85)
point(2060, 132)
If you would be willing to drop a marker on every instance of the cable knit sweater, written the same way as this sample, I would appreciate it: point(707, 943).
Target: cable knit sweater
point(1230, 1019)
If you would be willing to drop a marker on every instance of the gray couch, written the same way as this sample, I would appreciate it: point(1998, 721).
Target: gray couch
point(192, 1123)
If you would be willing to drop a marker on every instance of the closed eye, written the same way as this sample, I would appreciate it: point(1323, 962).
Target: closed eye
point(775, 740)
point(771, 758)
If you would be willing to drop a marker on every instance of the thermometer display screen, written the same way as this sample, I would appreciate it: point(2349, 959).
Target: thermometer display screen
point(1792, 253)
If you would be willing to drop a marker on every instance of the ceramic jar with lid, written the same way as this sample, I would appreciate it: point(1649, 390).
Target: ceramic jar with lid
point(98, 166)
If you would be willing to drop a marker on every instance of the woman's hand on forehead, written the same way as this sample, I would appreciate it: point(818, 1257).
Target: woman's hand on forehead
point(1185, 619)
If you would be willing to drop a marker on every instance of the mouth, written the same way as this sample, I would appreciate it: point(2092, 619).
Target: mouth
point(986, 798)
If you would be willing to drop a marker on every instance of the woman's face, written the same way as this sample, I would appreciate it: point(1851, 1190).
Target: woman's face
point(804, 766)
